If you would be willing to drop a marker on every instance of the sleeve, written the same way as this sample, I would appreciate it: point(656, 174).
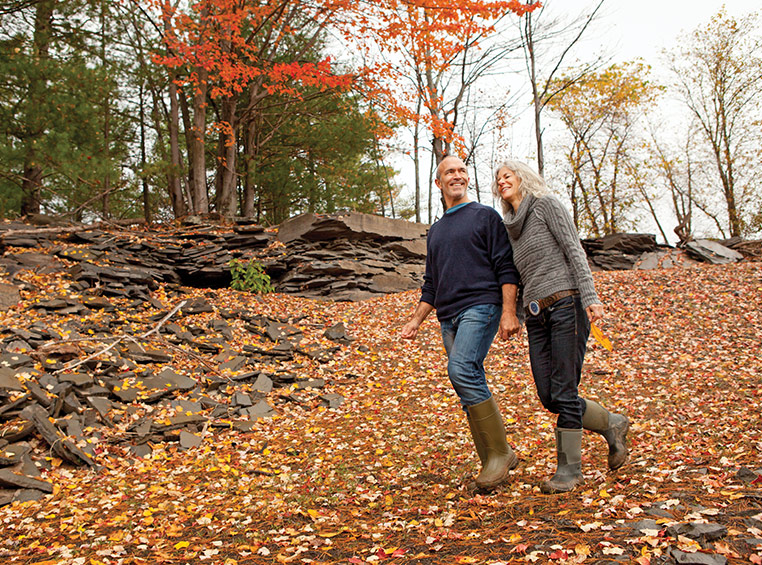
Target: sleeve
point(501, 253)
point(560, 223)
point(428, 290)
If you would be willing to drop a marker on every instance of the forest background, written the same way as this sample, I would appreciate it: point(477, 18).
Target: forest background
point(159, 109)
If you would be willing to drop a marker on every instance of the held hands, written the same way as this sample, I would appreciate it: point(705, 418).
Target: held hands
point(509, 325)
point(595, 312)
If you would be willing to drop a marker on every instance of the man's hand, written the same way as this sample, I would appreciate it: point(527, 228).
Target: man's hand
point(509, 325)
point(509, 322)
point(410, 330)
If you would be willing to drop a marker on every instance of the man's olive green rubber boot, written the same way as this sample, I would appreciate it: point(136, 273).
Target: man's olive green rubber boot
point(481, 449)
point(569, 465)
point(613, 428)
point(487, 427)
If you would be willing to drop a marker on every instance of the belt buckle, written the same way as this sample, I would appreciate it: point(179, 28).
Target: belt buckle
point(534, 307)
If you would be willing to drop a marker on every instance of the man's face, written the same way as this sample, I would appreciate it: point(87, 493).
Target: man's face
point(453, 180)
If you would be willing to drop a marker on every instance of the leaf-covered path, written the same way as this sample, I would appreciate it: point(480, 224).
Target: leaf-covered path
point(384, 477)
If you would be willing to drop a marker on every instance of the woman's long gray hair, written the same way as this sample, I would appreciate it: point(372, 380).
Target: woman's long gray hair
point(531, 182)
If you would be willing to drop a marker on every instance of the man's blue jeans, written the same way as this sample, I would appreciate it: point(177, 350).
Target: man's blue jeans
point(557, 343)
point(467, 338)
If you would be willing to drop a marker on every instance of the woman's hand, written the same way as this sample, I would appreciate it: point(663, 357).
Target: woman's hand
point(595, 312)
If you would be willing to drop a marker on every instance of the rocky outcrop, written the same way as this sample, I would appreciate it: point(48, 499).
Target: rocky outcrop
point(349, 256)
point(622, 251)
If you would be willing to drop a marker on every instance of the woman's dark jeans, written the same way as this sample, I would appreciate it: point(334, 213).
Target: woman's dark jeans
point(557, 343)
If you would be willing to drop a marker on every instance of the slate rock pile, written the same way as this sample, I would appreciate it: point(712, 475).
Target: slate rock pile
point(349, 256)
point(695, 525)
point(624, 251)
point(127, 263)
point(113, 382)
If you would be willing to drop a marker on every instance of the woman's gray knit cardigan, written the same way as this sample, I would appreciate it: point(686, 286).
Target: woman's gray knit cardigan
point(547, 251)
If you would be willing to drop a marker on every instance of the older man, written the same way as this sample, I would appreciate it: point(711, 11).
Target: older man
point(472, 283)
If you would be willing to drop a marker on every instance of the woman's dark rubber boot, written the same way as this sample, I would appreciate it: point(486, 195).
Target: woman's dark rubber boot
point(569, 464)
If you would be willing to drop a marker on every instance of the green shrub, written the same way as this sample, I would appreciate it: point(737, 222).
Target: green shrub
point(249, 276)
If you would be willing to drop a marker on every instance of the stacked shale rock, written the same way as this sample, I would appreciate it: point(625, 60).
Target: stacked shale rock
point(69, 387)
point(348, 256)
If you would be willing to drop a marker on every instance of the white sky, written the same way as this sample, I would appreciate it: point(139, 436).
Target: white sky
point(625, 30)
point(644, 27)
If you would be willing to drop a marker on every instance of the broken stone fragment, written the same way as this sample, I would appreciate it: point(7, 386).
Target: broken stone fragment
point(8, 380)
point(338, 333)
point(9, 479)
point(189, 440)
point(699, 531)
point(13, 454)
point(697, 558)
point(331, 400)
point(260, 410)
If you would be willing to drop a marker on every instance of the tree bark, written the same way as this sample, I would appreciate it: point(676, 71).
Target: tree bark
point(226, 178)
point(198, 144)
point(31, 185)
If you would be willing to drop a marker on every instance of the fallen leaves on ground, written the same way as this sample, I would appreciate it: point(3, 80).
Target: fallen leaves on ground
point(384, 478)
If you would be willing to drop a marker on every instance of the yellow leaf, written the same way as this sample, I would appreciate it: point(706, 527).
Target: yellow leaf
point(582, 549)
point(312, 513)
point(331, 534)
point(116, 536)
point(600, 338)
point(604, 494)
point(438, 523)
point(182, 544)
point(563, 512)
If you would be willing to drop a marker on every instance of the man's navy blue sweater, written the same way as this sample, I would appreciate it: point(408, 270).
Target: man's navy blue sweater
point(468, 259)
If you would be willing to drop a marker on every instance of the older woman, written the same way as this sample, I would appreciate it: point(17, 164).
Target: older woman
point(560, 302)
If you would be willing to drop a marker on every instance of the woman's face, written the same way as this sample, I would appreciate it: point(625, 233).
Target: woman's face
point(508, 184)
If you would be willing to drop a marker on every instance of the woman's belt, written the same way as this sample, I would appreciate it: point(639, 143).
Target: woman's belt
point(537, 306)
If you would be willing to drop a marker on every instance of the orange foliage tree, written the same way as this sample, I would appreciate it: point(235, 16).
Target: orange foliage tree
point(236, 53)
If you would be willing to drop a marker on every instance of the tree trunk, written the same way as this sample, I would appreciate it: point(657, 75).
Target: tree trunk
point(179, 205)
point(536, 102)
point(144, 180)
point(417, 162)
point(226, 178)
point(31, 185)
point(106, 121)
point(198, 145)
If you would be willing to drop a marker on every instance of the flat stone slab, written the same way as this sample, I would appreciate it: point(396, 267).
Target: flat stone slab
point(9, 479)
point(331, 400)
point(13, 453)
point(260, 410)
point(189, 440)
point(353, 224)
point(8, 380)
point(698, 531)
point(9, 296)
point(713, 252)
point(697, 558)
point(262, 384)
